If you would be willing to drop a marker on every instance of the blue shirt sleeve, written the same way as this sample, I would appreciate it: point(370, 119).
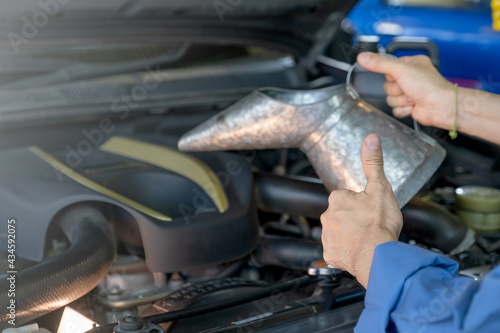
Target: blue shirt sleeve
point(414, 290)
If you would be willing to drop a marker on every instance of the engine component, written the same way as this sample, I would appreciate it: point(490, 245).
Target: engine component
point(321, 268)
point(187, 296)
point(171, 160)
point(236, 318)
point(180, 226)
point(283, 306)
point(426, 222)
point(199, 233)
point(129, 284)
point(289, 195)
point(477, 273)
point(62, 279)
point(478, 198)
point(135, 324)
point(481, 222)
point(479, 207)
point(328, 125)
point(433, 225)
point(287, 252)
point(222, 304)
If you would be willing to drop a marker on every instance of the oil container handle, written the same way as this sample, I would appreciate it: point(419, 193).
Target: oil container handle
point(348, 86)
point(351, 91)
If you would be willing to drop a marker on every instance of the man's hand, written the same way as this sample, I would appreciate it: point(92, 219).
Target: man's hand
point(355, 223)
point(414, 87)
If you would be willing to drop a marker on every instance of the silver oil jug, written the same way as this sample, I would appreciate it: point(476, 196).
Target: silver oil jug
point(329, 126)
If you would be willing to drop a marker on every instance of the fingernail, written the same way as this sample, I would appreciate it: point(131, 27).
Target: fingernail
point(373, 142)
point(364, 57)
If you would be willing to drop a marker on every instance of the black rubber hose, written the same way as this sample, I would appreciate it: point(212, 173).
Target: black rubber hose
point(280, 229)
point(433, 225)
point(60, 280)
point(287, 252)
point(425, 222)
point(220, 305)
point(292, 196)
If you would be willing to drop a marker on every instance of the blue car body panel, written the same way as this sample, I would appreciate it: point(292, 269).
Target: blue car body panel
point(469, 48)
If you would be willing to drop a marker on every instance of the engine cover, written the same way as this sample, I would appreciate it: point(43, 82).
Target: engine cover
point(192, 210)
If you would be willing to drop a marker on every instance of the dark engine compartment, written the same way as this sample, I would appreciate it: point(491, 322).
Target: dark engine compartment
point(238, 260)
point(222, 242)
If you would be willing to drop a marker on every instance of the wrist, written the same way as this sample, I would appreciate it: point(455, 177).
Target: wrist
point(363, 262)
point(444, 114)
point(362, 267)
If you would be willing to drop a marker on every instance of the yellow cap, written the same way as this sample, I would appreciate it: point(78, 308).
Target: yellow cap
point(495, 5)
point(496, 25)
point(495, 8)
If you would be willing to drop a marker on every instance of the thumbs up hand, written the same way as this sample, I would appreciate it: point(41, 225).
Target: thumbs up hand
point(355, 223)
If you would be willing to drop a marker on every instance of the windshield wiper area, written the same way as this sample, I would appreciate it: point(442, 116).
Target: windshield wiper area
point(84, 71)
point(153, 88)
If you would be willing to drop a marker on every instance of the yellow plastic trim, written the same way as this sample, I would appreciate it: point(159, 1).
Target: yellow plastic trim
point(171, 160)
point(495, 7)
point(55, 163)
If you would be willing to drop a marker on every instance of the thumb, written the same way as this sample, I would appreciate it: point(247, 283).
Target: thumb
point(372, 159)
point(379, 64)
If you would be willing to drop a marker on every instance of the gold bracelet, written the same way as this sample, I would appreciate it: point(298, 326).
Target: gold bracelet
point(453, 133)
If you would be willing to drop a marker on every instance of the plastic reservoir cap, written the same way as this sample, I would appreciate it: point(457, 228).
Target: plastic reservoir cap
point(481, 199)
point(23, 329)
point(482, 222)
point(479, 207)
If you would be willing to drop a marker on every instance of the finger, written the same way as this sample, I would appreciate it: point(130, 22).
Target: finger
point(392, 88)
point(417, 59)
point(390, 78)
point(379, 64)
point(323, 218)
point(324, 240)
point(399, 101)
point(372, 159)
point(402, 111)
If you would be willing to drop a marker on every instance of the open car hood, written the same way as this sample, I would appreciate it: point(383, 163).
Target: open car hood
point(297, 27)
point(294, 25)
point(33, 70)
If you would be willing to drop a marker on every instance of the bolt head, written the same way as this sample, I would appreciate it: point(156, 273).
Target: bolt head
point(131, 323)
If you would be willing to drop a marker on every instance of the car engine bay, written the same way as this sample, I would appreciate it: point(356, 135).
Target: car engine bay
point(117, 227)
point(202, 258)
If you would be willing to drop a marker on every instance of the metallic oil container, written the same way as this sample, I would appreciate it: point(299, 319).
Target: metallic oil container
point(329, 126)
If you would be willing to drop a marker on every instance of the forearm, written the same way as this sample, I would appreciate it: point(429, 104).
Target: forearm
point(424, 293)
point(478, 113)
